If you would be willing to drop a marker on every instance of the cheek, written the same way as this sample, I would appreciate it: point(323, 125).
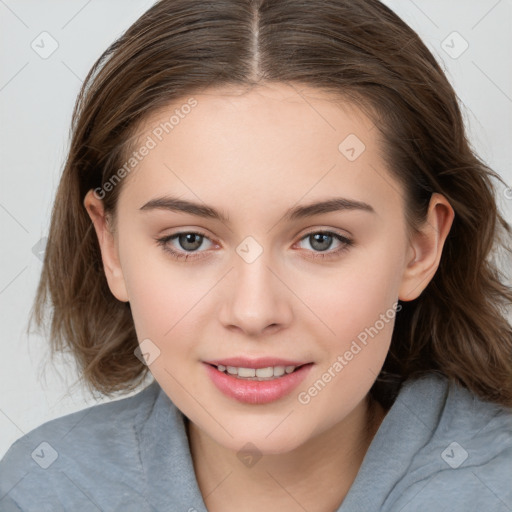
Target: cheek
point(353, 295)
point(358, 309)
point(161, 298)
point(164, 307)
point(362, 317)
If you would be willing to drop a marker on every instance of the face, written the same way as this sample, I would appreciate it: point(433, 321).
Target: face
point(263, 277)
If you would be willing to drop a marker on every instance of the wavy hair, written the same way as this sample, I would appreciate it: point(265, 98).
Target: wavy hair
point(358, 50)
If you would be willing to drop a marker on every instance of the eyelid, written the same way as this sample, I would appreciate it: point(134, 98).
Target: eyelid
point(335, 231)
point(176, 235)
point(345, 242)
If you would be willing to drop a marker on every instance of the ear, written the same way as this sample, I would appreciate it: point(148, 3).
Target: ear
point(108, 246)
point(426, 247)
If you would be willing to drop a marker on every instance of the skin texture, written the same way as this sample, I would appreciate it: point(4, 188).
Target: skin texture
point(252, 155)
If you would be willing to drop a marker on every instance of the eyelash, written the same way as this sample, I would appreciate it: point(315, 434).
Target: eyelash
point(163, 242)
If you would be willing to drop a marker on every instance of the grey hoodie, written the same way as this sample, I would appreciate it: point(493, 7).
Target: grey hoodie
point(439, 448)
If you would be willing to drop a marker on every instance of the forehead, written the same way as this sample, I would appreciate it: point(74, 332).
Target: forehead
point(269, 144)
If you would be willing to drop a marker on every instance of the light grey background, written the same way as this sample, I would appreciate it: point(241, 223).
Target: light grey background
point(36, 100)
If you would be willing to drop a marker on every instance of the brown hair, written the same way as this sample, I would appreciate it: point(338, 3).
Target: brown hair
point(357, 50)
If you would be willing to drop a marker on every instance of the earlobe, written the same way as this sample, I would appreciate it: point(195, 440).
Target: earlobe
point(426, 248)
point(109, 251)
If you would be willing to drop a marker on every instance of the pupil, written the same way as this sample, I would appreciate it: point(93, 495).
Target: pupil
point(321, 237)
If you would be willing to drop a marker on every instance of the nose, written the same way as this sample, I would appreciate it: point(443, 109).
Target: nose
point(256, 301)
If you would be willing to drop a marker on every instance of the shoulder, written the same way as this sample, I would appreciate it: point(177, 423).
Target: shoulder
point(79, 446)
point(466, 459)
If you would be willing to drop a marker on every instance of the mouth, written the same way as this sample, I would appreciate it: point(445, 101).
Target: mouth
point(257, 382)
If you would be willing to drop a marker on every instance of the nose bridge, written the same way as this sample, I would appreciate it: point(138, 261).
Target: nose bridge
point(256, 299)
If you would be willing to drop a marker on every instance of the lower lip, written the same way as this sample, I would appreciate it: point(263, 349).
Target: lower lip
point(257, 391)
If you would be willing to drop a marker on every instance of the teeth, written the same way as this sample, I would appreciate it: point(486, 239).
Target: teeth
point(279, 370)
point(247, 372)
point(260, 372)
point(268, 373)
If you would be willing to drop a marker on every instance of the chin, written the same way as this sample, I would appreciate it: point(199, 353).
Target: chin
point(259, 440)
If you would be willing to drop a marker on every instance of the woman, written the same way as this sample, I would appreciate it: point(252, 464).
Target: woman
point(273, 208)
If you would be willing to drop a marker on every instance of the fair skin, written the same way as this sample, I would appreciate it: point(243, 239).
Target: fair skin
point(252, 156)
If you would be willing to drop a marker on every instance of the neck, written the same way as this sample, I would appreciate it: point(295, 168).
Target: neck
point(317, 474)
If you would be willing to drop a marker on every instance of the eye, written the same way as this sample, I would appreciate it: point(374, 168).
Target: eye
point(189, 242)
point(321, 241)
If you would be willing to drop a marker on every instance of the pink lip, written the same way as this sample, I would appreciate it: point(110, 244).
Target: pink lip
point(261, 362)
point(253, 391)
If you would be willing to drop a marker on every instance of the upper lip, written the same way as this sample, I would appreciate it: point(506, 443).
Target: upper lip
point(260, 362)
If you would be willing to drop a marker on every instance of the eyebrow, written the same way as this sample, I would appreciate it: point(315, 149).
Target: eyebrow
point(298, 212)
